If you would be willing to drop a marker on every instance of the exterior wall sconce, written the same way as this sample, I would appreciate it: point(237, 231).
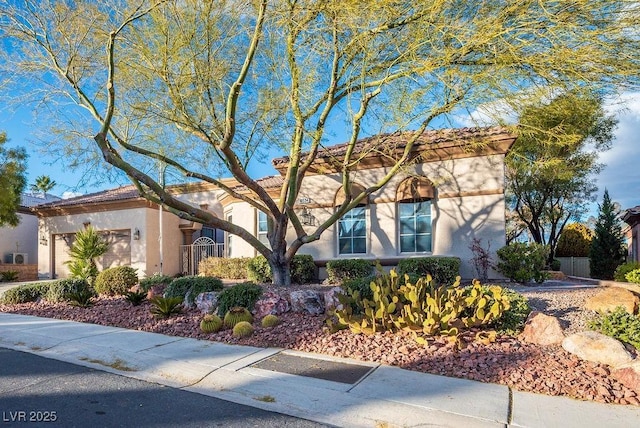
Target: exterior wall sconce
point(136, 234)
point(86, 223)
point(43, 239)
point(307, 218)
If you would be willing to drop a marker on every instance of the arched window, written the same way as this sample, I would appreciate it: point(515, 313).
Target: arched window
point(414, 197)
point(352, 227)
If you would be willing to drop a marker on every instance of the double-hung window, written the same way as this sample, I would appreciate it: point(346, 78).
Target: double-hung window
point(262, 228)
point(352, 232)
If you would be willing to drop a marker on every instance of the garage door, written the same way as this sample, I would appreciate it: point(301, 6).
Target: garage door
point(118, 254)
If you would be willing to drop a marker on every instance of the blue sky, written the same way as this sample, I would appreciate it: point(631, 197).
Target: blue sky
point(621, 176)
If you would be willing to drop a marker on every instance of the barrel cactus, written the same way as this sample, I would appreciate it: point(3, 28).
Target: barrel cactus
point(243, 329)
point(236, 315)
point(210, 324)
point(270, 321)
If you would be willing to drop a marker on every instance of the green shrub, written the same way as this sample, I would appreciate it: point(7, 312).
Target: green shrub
point(258, 270)
point(361, 285)
point(9, 276)
point(633, 276)
point(222, 267)
point(188, 287)
point(156, 279)
point(621, 271)
point(443, 270)
point(556, 264)
point(521, 262)
point(303, 269)
point(620, 325)
point(164, 307)
point(116, 281)
point(59, 290)
point(341, 270)
point(245, 294)
point(26, 293)
point(423, 308)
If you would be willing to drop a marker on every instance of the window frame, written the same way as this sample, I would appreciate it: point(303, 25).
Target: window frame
point(365, 236)
point(415, 234)
point(262, 233)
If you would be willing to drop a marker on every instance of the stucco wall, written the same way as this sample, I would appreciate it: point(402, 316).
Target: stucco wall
point(244, 215)
point(20, 239)
point(171, 241)
point(109, 220)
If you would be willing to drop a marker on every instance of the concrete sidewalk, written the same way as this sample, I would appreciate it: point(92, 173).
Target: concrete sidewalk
point(383, 397)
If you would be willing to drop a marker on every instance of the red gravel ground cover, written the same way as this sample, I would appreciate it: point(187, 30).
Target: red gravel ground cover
point(525, 367)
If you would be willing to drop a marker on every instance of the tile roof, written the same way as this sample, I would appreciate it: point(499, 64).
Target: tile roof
point(398, 140)
point(630, 215)
point(118, 194)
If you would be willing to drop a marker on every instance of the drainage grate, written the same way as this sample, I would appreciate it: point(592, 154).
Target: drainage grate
point(312, 367)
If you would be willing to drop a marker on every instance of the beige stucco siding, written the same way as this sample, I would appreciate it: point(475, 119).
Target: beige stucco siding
point(128, 219)
point(244, 215)
point(171, 240)
point(22, 238)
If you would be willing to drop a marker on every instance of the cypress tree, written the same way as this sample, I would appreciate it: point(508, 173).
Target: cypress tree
point(607, 248)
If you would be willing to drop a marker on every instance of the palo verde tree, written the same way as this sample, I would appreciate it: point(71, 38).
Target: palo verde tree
point(13, 165)
point(551, 166)
point(608, 249)
point(206, 88)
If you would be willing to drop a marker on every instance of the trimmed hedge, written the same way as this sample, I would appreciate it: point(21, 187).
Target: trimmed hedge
point(245, 294)
point(153, 280)
point(227, 268)
point(443, 270)
point(303, 269)
point(521, 262)
point(188, 287)
point(341, 270)
point(25, 293)
point(59, 290)
point(116, 280)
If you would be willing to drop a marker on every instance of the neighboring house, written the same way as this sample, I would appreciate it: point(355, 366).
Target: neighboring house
point(632, 218)
point(19, 244)
point(451, 192)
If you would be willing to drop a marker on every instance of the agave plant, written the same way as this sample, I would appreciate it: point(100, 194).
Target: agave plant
point(163, 307)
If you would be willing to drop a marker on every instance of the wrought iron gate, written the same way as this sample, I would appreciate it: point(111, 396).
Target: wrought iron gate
point(191, 255)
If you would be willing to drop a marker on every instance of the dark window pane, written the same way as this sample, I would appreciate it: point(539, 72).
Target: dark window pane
point(359, 245)
point(423, 243)
point(344, 246)
point(423, 224)
point(407, 244)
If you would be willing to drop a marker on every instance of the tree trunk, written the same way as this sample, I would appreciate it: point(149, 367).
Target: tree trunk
point(280, 268)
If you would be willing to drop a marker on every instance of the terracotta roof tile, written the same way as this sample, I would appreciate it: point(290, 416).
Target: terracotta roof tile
point(117, 194)
point(398, 140)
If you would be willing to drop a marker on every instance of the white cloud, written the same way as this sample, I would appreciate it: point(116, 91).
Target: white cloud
point(68, 194)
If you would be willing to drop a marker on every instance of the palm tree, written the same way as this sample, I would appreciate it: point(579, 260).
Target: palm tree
point(86, 248)
point(43, 184)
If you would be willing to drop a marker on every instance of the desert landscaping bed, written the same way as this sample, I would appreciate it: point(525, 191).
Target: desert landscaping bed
point(542, 369)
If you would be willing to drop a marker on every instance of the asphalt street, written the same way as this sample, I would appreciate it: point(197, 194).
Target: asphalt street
point(40, 392)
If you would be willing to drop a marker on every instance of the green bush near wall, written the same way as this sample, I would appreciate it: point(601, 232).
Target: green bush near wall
point(303, 269)
point(59, 290)
point(116, 280)
point(339, 271)
point(26, 293)
point(245, 295)
point(227, 268)
point(443, 270)
point(188, 287)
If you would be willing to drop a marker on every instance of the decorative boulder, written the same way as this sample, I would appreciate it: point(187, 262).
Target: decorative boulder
point(541, 329)
point(156, 290)
point(598, 348)
point(628, 375)
point(207, 303)
point(610, 298)
point(331, 298)
point(307, 301)
point(270, 303)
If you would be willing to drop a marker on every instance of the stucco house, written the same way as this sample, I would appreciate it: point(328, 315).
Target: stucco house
point(19, 244)
point(451, 193)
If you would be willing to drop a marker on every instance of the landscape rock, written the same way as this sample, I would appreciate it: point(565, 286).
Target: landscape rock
point(270, 303)
point(610, 298)
point(156, 290)
point(541, 329)
point(628, 375)
point(207, 302)
point(596, 347)
point(331, 298)
point(309, 301)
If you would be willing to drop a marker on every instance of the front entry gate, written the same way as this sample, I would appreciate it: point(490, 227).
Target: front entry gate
point(191, 255)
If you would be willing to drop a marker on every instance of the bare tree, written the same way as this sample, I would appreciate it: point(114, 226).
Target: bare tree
point(208, 87)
